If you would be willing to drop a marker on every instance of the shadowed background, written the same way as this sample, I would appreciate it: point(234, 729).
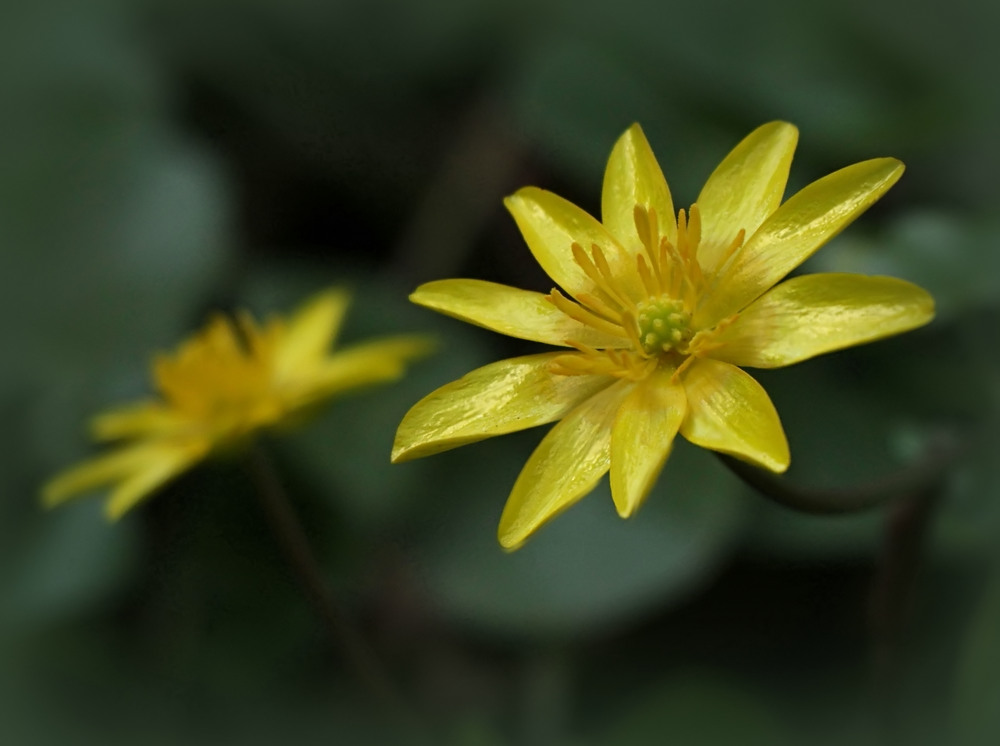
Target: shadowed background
point(164, 158)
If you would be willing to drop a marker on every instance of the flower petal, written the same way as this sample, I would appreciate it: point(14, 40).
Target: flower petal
point(809, 315)
point(633, 177)
point(791, 235)
point(517, 313)
point(162, 464)
point(551, 225)
point(312, 329)
point(118, 465)
point(642, 436)
point(745, 188)
point(361, 365)
point(135, 420)
point(566, 465)
point(729, 411)
point(499, 398)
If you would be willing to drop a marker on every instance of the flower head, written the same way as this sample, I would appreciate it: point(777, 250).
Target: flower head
point(657, 312)
point(229, 380)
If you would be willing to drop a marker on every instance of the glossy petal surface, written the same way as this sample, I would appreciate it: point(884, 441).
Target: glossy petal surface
point(797, 229)
point(551, 225)
point(566, 465)
point(745, 188)
point(633, 177)
point(642, 437)
point(502, 397)
point(809, 315)
point(729, 411)
point(517, 313)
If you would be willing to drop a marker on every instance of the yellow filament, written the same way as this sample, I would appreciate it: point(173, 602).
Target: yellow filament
point(603, 283)
point(578, 313)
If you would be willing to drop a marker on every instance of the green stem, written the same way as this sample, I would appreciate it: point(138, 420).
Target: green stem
point(294, 543)
point(927, 469)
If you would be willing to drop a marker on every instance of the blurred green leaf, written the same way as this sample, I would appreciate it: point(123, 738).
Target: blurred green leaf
point(953, 257)
point(699, 708)
point(63, 563)
point(840, 435)
point(588, 570)
point(977, 686)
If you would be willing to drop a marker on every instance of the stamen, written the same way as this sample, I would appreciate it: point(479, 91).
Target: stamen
point(584, 315)
point(688, 361)
point(631, 326)
point(694, 230)
point(648, 282)
point(593, 272)
point(641, 219)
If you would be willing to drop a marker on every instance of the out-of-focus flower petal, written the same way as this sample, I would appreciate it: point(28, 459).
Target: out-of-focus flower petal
point(163, 463)
point(138, 420)
point(311, 330)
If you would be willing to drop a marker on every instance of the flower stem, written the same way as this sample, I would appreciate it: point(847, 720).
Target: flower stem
point(294, 543)
point(892, 594)
point(927, 469)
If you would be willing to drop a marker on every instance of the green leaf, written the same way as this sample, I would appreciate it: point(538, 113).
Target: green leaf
point(977, 686)
point(588, 570)
point(699, 708)
point(63, 563)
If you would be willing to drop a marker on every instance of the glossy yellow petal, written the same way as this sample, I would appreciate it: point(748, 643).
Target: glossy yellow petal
point(813, 314)
point(312, 329)
point(517, 313)
point(135, 420)
point(367, 363)
point(745, 188)
point(163, 463)
point(633, 177)
point(551, 225)
point(729, 411)
point(566, 465)
point(642, 436)
point(499, 398)
point(791, 235)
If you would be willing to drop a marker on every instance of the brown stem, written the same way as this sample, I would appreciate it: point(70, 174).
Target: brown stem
point(892, 594)
point(294, 543)
point(927, 469)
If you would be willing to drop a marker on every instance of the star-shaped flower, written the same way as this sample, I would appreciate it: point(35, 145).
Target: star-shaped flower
point(228, 381)
point(658, 312)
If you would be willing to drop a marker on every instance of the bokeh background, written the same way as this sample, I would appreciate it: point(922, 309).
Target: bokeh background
point(163, 158)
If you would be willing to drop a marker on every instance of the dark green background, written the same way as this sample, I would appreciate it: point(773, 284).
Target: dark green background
point(161, 159)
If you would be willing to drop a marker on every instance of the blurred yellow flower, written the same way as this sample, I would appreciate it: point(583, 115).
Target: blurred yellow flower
point(229, 380)
point(658, 312)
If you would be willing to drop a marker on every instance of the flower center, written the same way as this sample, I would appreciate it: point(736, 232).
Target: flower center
point(663, 325)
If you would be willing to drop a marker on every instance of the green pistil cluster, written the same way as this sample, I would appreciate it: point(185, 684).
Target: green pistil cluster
point(664, 325)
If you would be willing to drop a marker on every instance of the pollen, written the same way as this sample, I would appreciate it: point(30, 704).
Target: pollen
point(664, 324)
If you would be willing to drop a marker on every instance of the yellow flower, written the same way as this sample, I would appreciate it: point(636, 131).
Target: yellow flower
point(658, 313)
point(229, 380)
